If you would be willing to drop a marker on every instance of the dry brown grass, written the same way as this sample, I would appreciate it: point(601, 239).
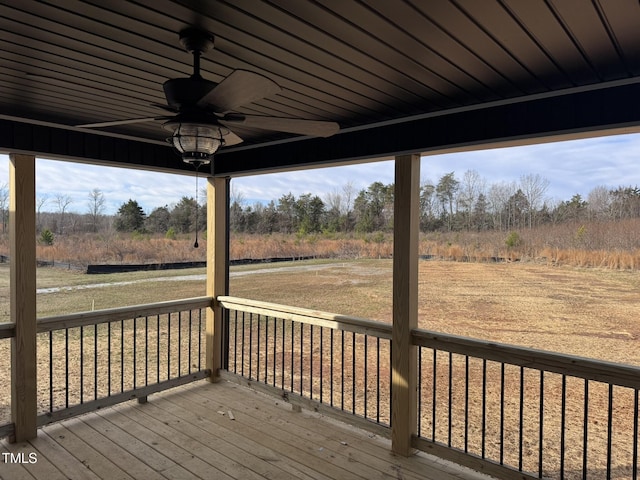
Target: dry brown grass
point(590, 312)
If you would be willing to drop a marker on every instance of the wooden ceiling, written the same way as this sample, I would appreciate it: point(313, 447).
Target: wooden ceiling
point(397, 75)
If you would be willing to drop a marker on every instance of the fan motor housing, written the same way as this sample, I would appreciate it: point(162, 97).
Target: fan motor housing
point(186, 92)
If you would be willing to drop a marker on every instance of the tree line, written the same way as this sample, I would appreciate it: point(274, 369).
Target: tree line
point(467, 203)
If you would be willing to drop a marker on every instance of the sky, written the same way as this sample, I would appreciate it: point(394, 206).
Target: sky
point(571, 167)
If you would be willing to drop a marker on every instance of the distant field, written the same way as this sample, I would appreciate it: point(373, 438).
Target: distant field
point(590, 312)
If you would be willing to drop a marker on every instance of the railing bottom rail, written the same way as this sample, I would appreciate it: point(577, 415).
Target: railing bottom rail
point(139, 393)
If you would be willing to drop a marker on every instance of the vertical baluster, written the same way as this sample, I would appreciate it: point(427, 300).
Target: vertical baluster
point(301, 357)
point(179, 344)
point(331, 371)
point(484, 407)
point(168, 346)
point(235, 341)
point(311, 362)
point(378, 379)
point(50, 370)
point(243, 334)
point(342, 369)
point(322, 363)
point(283, 350)
point(434, 397)
point(66, 367)
point(420, 391)
point(466, 403)
point(266, 350)
point(250, 344)
point(563, 415)
point(609, 430)
point(541, 432)
point(122, 355)
point(501, 413)
point(200, 333)
point(135, 352)
point(95, 362)
point(146, 351)
point(109, 359)
point(366, 376)
point(190, 321)
point(585, 430)
point(158, 349)
point(258, 355)
point(275, 352)
point(82, 364)
point(450, 405)
point(521, 421)
point(292, 353)
point(353, 372)
point(635, 436)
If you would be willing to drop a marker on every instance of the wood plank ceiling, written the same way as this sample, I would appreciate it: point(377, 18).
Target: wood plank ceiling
point(356, 62)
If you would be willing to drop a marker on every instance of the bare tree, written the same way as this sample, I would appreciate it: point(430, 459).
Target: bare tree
point(534, 187)
point(471, 187)
point(40, 203)
point(4, 203)
point(599, 202)
point(95, 207)
point(62, 202)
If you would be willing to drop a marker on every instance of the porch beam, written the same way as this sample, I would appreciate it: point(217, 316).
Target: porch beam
point(217, 270)
point(22, 244)
point(405, 303)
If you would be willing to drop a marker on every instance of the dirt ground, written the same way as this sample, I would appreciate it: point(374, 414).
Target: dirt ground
point(587, 312)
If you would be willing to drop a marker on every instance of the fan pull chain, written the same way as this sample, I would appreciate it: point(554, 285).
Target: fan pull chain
point(195, 245)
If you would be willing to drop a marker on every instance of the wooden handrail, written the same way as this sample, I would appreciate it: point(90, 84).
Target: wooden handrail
point(308, 316)
point(80, 319)
point(571, 365)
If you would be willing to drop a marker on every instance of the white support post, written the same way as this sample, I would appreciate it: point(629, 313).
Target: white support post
point(217, 265)
point(405, 303)
point(22, 240)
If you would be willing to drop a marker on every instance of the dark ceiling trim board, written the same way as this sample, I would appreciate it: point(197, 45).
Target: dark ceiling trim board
point(590, 111)
point(544, 118)
point(47, 141)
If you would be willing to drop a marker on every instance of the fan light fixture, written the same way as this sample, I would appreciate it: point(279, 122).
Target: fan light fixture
point(196, 142)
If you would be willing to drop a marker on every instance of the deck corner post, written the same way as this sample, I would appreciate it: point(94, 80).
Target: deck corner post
point(404, 356)
point(22, 245)
point(217, 270)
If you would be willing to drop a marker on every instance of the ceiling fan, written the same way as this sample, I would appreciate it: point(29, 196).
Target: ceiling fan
point(204, 115)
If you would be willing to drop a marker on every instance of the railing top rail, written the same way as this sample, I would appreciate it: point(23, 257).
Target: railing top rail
point(308, 316)
point(7, 330)
point(571, 365)
point(72, 320)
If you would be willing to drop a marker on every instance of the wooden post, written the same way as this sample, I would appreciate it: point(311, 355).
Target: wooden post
point(22, 241)
point(405, 303)
point(217, 266)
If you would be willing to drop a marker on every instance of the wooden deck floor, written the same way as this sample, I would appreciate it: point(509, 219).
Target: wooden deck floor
point(183, 434)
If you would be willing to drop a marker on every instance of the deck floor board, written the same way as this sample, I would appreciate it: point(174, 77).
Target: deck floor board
point(187, 433)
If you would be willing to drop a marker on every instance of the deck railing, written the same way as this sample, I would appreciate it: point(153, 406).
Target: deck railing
point(509, 411)
point(320, 359)
point(89, 360)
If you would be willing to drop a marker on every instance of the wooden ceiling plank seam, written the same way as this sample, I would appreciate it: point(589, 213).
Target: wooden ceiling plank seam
point(84, 91)
point(597, 4)
point(622, 20)
point(111, 50)
point(70, 68)
point(500, 84)
point(395, 59)
point(590, 32)
point(261, 48)
point(462, 74)
point(504, 45)
point(542, 25)
point(554, 11)
point(348, 52)
point(80, 103)
point(516, 18)
point(453, 42)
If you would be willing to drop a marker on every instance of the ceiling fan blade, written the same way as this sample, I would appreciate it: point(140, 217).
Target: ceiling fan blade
point(239, 88)
point(232, 139)
point(314, 128)
point(121, 122)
